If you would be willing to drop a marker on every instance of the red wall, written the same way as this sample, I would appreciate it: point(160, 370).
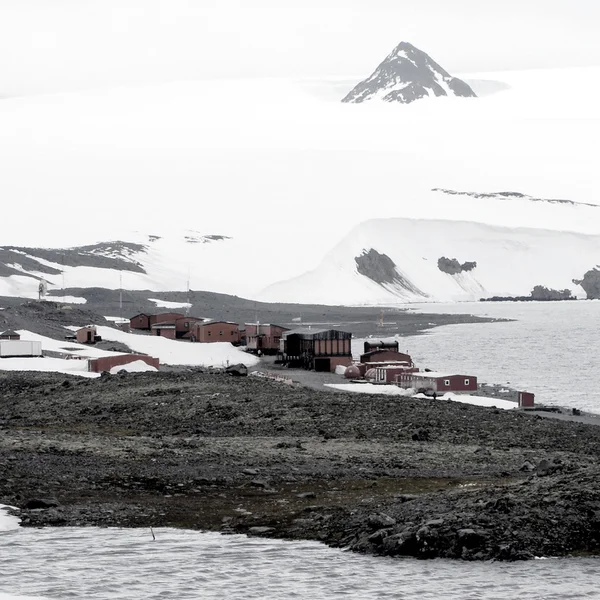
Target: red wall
point(98, 365)
point(140, 322)
point(164, 317)
point(217, 332)
point(81, 335)
point(167, 332)
point(385, 356)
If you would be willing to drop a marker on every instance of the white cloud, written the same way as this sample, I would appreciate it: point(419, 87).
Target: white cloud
point(67, 44)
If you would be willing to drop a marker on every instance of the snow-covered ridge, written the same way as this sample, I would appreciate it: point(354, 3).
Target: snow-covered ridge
point(509, 262)
point(511, 196)
point(408, 74)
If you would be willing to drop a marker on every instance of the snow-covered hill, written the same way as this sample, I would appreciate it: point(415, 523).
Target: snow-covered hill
point(387, 261)
point(408, 74)
point(281, 176)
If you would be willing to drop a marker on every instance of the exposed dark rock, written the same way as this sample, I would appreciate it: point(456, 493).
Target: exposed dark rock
point(380, 521)
point(543, 293)
point(261, 530)
point(381, 269)
point(36, 503)
point(511, 196)
point(115, 453)
point(451, 266)
point(408, 74)
point(590, 283)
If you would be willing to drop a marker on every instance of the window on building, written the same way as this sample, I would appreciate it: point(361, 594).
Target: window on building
point(186, 325)
point(209, 333)
point(446, 382)
point(220, 333)
point(467, 381)
point(232, 333)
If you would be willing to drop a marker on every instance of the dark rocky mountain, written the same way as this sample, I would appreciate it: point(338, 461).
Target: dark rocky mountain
point(406, 75)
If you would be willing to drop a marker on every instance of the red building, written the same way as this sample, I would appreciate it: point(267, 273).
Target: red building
point(9, 334)
point(264, 337)
point(164, 317)
point(385, 356)
point(214, 331)
point(526, 400)
point(318, 349)
point(440, 383)
point(145, 321)
point(141, 321)
point(390, 373)
point(106, 363)
point(87, 335)
point(166, 329)
point(184, 325)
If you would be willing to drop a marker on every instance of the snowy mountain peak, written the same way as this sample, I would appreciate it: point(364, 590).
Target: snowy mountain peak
point(408, 74)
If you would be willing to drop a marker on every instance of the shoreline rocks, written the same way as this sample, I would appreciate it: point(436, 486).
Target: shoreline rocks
point(244, 455)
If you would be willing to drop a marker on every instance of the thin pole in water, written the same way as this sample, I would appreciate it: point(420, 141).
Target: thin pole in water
point(152, 532)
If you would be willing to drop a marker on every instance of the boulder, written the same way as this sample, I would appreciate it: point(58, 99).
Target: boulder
point(380, 521)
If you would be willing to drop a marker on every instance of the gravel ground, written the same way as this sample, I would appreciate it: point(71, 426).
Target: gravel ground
point(372, 473)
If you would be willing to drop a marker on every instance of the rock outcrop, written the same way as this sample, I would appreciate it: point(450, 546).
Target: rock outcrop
point(451, 266)
point(406, 75)
point(590, 283)
point(381, 269)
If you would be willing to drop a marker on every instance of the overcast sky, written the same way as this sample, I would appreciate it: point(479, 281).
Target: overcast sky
point(67, 44)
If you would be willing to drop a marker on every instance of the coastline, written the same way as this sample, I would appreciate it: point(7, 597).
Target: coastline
point(242, 455)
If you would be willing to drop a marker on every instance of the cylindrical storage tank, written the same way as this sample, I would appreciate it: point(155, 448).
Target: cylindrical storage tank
point(371, 374)
point(381, 345)
point(353, 372)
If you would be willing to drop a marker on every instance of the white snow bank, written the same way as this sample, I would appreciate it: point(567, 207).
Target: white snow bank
point(177, 352)
point(371, 388)
point(66, 346)
point(168, 304)
point(7, 522)
point(137, 366)
point(67, 299)
point(392, 390)
point(476, 400)
point(48, 365)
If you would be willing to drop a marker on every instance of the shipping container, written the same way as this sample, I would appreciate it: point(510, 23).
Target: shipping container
point(11, 348)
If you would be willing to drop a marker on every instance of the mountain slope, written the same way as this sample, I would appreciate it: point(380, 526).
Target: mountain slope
point(408, 74)
point(414, 255)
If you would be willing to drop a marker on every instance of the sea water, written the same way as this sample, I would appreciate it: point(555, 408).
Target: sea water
point(91, 563)
point(549, 348)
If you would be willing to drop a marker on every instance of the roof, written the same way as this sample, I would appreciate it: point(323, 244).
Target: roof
point(209, 322)
point(9, 332)
point(164, 325)
point(308, 333)
point(139, 315)
point(436, 375)
point(189, 319)
point(382, 350)
point(266, 325)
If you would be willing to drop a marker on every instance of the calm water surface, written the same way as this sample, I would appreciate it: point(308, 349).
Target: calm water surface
point(78, 563)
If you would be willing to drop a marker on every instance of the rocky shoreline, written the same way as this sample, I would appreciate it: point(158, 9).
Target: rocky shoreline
point(391, 477)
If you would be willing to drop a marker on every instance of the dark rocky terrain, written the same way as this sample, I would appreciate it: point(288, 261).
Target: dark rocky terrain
point(408, 74)
point(378, 475)
point(48, 317)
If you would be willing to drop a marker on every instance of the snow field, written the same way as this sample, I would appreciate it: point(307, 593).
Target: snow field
point(392, 390)
point(174, 352)
point(7, 522)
